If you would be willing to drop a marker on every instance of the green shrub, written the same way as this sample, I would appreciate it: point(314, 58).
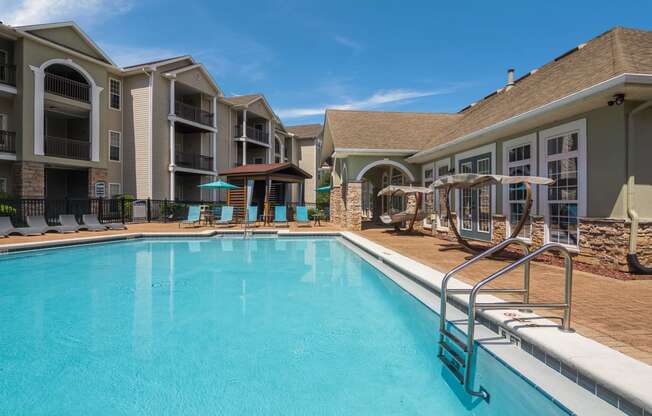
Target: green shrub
point(7, 210)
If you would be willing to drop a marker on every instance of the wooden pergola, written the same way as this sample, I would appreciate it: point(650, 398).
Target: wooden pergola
point(269, 172)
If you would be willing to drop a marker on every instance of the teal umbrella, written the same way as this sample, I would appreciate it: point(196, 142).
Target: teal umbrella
point(326, 188)
point(218, 185)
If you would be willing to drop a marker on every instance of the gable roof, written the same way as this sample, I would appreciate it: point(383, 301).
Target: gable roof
point(201, 69)
point(286, 168)
point(159, 62)
point(48, 31)
point(616, 52)
point(305, 130)
point(384, 130)
point(244, 100)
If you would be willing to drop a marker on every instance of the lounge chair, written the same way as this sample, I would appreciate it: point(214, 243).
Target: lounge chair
point(38, 222)
point(6, 228)
point(226, 216)
point(301, 216)
point(70, 220)
point(91, 220)
point(252, 215)
point(280, 215)
point(193, 217)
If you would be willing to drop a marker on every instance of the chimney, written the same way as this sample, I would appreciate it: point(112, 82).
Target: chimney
point(510, 78)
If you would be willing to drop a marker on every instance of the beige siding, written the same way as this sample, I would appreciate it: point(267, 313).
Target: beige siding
point(136, 137)
point(642, 169)
point(196, 79)
point(66, 36)
point(307, 161)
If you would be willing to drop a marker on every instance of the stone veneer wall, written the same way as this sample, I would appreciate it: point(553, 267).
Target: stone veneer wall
point(29, 179)
point(336, 208)
point(96, 175)
point(498, 228)
point(353, 206)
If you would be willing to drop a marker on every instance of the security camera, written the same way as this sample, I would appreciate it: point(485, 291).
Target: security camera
point(617, 99)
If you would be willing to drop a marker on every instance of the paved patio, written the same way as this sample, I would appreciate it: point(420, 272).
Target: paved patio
point(614, 312)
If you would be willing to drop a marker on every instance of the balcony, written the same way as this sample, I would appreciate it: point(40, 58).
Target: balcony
point(8, 74)
point(193, 161)
point(67, 148)
point(66, 87)
point(260, 136)
point(7, 141)
point(192, 113)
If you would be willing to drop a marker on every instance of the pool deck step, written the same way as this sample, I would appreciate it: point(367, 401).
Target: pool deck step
point(452, 368)
point(456, 355)
point(455, 339)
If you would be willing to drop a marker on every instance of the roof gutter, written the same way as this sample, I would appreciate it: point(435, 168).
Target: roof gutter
point(426, 155)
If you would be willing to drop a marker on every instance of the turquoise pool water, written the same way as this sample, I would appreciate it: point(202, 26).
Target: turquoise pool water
point(227, 327)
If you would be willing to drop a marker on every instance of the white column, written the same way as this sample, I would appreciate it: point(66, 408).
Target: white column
point(270, 141)
point(214, 134)
point(244, 135)
point(39, 80)
point(172, 81)
point(95, 123)
point(172, 166)
point(282, 149)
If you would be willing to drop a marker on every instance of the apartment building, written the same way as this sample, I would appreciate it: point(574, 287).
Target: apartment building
point(307, 140)
point(75, 125)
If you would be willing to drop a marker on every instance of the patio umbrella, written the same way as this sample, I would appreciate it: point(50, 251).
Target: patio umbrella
point(218, 185)
point(326, 188)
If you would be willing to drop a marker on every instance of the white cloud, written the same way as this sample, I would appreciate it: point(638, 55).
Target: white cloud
point(377, 99)
point(349, 43)
point(29, 12)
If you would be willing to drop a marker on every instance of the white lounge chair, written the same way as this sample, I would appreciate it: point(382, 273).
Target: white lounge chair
point(7, 228)
point(91, 220)
point(38, 221)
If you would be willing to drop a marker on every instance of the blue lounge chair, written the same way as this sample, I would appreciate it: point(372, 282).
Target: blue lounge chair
point(252, 215)
point(194, 216)
point(280, 215)
point(301, 216)
point(226, 216)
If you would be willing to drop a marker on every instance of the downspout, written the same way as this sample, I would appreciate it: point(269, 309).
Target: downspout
point(632, 256)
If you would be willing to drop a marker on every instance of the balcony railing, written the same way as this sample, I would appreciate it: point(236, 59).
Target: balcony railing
point(8, 74)
point(192, 113)
point(68, 148)
point(255, 134)
point(66, 87)
point(193, 161)
point(7, 141)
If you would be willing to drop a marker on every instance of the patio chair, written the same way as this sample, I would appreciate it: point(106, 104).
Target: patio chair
point(252, 215)
point(280, 215)
point(71, 220)
point(38, 222)
point(226, 216)
point(6, 228)
point(91, 220)
point(301, 216)
point(193, 217)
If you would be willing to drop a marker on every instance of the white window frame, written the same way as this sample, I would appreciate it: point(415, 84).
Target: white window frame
point(119, 94)
point(530, 139)
point(579, 127)
point(438, 165)
point(119, 188)
point(477, 151)
point(428, 166)
point(120, 146)
point(4, 182)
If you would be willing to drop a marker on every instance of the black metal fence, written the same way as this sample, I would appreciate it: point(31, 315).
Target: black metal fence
point(127, 210)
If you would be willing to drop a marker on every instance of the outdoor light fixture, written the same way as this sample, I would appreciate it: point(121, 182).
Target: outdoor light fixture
point(617, 99)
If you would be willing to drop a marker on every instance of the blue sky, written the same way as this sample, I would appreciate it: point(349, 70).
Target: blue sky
point(306, 56)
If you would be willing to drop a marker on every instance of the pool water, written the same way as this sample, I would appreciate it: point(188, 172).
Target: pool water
point(227, 327)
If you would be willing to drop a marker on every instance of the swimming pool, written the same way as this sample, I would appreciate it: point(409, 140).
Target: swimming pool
point(287, 326)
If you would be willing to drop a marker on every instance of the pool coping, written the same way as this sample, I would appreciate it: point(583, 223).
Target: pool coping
point(595, 367)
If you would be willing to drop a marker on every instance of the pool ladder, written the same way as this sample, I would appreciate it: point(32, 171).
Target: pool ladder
point(456, 352)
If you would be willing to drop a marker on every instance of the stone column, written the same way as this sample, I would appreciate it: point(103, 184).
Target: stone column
point(354, 206)
point(499, 228)
point(96, 175)
point(538, 232)
point(604, 242)
point(29, 179)
point(336, 206)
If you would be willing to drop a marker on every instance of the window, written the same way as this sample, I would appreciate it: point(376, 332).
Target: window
point(564, 161)
point(114, 190)
point(115, 93)
point(3, 185)
point(428, 199)
point(519, 160)
point(440, 195)
point(115, 142)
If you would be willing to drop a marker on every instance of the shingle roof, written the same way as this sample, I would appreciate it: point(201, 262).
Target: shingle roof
point(158, 61)
point(243, 99)
point(305, 130)
point(385, 130)
point(285, 168)
point(612, 53)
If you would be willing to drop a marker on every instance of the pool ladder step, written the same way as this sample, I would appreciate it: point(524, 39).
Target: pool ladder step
point(457, 354)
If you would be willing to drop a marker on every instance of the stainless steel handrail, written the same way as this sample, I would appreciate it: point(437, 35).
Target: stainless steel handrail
point(477, 288)
point(444, 283)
